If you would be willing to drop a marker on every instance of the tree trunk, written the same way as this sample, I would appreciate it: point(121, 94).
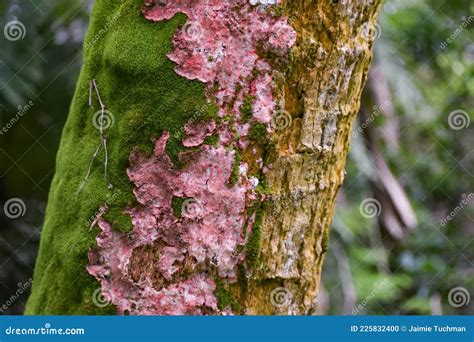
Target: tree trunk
point(205, 146)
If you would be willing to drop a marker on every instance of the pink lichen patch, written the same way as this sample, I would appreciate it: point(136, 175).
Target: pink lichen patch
point(110, 265)
point(210, 230)
point(211, 225)
point(197, 132)
point(219, 43)
point(263, 105)
point(167, 264)
point(168, 258)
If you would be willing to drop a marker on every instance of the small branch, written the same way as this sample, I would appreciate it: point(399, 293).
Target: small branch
point(102, 138)
point(94, 84)
point(90, 94)
point(106, 161)
point(89, 169)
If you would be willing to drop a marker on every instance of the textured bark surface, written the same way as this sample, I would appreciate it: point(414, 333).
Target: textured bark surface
point(262, 248)
point(322, 91)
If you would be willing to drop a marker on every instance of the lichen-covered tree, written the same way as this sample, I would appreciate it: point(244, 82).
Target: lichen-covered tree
point(199, 166)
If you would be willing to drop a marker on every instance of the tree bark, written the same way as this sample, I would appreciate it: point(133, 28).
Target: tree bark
point(211, 179)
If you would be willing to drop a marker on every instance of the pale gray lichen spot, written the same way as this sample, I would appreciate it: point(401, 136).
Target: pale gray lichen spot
point(293, 242)
point(330, 130)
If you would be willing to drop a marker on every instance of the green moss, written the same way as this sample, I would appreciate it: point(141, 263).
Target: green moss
point(325, 241)
point(224, 297)
point(262, 187)
point(235, 168)
point(253, 246)
point(257, 132)
point(140, 88)
point(277, 10)
point(177, 205)
point(246, 107)
point(213, 140)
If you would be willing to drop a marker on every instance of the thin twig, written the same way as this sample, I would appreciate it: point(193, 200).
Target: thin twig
point(106, 161)
point(97, 92)
point(102, 138)
point(90, 94)
point(89, 169)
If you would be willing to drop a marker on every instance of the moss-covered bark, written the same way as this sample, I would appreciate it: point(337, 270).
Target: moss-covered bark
point(320, 84)
point(144, 95)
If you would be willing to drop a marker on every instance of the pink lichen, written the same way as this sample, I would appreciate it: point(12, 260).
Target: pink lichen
point(219, 43)
point(197, 132)
point(210, 230)
point(218, 46)
point(189, 297)
point(212, 217)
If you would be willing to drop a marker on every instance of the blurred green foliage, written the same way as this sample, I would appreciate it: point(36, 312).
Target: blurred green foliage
point(428, 78)
point(40, 65)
